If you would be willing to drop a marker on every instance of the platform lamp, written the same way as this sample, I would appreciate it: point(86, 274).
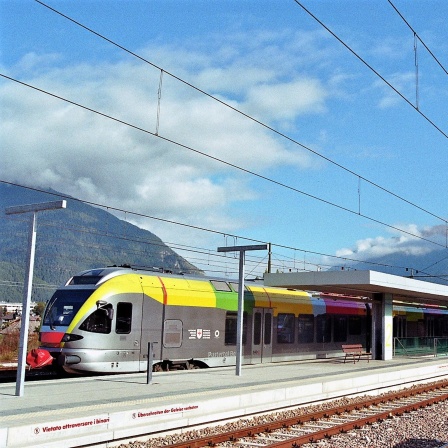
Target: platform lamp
point(239, 334)
point(28, 283)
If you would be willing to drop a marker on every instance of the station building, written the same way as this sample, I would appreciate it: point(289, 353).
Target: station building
point(384, 291)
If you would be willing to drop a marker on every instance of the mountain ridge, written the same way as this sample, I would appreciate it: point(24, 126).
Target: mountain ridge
point(70, 240)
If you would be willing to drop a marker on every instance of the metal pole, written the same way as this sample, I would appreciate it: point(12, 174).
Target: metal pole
point(269, 258)
point(25, 318)
point(149, 366)
point(28, 283)
point(239, 330)
point(239, 323)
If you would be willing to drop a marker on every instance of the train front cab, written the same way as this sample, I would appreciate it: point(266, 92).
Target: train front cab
point(95, 324)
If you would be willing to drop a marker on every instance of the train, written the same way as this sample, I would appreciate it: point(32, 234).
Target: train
point(121, 320)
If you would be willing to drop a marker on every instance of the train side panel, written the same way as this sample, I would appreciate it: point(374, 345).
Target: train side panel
point(194, 323)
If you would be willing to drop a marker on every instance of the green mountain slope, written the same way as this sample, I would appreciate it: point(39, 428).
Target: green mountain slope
point(71, 240)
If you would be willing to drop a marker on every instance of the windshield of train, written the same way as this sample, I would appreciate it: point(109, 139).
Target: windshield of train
point(63, 306)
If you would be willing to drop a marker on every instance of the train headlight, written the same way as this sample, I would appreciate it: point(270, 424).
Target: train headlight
point(71, 337)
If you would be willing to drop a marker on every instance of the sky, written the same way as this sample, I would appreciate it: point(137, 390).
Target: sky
point(245, 121)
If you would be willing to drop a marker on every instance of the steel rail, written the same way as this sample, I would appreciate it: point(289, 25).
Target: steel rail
point(356, 424)
point(338, 411)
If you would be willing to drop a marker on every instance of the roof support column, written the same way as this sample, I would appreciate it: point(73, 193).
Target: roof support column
point(382, 325)
point(239, 333)
point(388, 326)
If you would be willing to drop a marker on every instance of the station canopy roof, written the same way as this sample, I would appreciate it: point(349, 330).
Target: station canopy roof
point(362, 283)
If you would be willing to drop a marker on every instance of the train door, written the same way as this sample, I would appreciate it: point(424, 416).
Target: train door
point(261, 350)
point(127, 312)
point(152, 322)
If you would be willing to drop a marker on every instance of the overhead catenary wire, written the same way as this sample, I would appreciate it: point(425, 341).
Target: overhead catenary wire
point(13, 284)
point(415, 107)
point(279, 261)
point(245, 170)
point(418, 37)
point(280, 184)
point(271, 129)
point(251, 258)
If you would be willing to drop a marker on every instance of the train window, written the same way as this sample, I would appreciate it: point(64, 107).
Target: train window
point(323, 328)
point(267, 328)
point(99, 321)
point(306, 328)
point(63, 306)
point(85, 280)
point(430, 326)
point(354, 325)
point(437, 322)
point(443, 326)
point(236, 286)
point(124, 318)
point(421, 328)
point(285, 328)
point(340, 328)
point(231, 328)
point(257, 328)
point(220, 285)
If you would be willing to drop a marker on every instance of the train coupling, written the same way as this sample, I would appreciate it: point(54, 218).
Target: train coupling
point(67, 360)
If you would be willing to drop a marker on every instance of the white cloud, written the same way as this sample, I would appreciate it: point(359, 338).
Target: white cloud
point(393, 49)
point(399, 243)
point(285, 101)
point(51, 143)
point(36, 62)
point(403, 83)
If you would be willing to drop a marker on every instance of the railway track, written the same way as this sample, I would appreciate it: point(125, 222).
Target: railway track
point(312, 427)
point(9, 375)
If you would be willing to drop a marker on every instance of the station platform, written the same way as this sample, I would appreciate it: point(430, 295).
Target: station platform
point(109, 410)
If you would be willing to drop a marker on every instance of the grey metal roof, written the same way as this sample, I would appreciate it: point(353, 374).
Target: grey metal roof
point(362, 283)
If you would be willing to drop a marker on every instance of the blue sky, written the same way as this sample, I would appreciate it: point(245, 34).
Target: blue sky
point(268, 59)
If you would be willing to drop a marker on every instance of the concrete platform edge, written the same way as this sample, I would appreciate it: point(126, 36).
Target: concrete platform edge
point(108, 429)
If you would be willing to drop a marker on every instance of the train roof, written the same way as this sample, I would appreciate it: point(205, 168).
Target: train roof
point(99, 275)
point(93, 276)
